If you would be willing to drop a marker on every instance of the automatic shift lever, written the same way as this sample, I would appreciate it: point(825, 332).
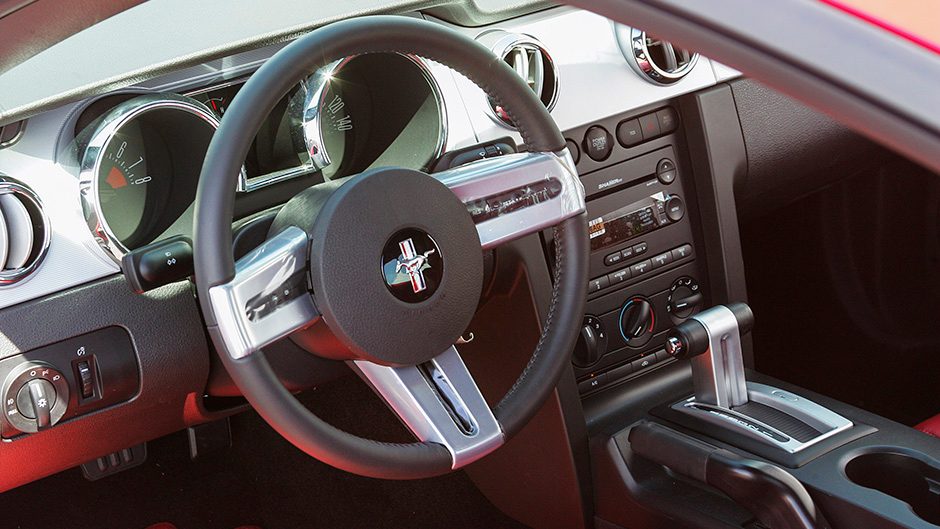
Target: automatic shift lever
point(723, 398)
point(712, 339)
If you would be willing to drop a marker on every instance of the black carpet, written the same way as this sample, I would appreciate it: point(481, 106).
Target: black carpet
point(261, 480)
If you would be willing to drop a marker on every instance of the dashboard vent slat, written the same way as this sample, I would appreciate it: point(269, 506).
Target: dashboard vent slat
point(24, 232)
point(656, 60)
point(532, 62)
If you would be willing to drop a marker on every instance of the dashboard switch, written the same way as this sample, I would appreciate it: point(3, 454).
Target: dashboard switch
point(598, 143)
point(574, 150)
point(668, 120)
point(86, 379)
point(158, 264)
point(35, 401)
point(650, 126)
point(629, 133)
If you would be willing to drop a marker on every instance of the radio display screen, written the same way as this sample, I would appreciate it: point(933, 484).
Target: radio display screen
point(623, 224)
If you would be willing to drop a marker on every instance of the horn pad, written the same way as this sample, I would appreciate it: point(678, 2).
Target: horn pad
point(396, 266)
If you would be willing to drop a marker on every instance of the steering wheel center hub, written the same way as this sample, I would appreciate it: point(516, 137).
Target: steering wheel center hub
point(396, 266)
point(412, 265)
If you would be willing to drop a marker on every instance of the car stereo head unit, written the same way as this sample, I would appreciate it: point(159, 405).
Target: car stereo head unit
point(629, 221)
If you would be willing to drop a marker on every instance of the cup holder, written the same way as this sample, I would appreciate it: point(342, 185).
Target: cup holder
point(901, 476)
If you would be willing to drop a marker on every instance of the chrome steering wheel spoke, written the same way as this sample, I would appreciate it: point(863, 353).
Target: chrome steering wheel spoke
point(514, 195)
point(268, 298)
point(439, 401)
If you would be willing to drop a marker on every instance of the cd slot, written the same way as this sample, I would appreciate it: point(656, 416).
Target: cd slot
point(624, 174)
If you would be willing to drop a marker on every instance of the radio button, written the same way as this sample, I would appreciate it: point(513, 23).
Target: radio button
point(613, 259)
point(682, 252)
point(641, 268)
point(640, 248)
point(662, 259)
point(598, 284)
point(675, 208)
point(629, 133)
point(626, 253)
point(619, 276)
point(666, 171)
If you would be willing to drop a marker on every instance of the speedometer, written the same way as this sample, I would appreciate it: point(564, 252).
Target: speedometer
point(381, 109)
point(140, 170)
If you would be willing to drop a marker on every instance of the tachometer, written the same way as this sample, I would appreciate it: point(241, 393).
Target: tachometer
point(124, 179)
point(140, 170)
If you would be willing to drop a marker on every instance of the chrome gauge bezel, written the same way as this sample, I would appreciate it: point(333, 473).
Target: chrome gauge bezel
point(9, 185)
point(98, 143)
point(316, 90)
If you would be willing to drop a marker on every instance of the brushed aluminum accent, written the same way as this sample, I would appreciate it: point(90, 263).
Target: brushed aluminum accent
point(491, 176)
point(261, 273)
point(718, 374)
point(413, 397)
point(819, 417)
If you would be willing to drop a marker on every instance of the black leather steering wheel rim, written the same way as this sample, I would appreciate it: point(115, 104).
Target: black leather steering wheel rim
point(213, 236)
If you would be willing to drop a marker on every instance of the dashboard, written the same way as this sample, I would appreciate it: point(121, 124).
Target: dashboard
point(386, 109)
point(114, 172)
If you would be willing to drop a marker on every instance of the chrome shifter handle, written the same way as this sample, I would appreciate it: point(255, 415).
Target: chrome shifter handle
point(712, 340)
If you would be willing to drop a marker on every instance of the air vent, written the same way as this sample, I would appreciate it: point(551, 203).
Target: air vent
point(10, 133)
point(656, 60)
point(531, 61)
point(24, 232)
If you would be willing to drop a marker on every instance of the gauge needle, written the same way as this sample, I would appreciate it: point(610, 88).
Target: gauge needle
point(116, 178)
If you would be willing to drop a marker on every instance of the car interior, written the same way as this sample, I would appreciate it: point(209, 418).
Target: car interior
point(466, 264)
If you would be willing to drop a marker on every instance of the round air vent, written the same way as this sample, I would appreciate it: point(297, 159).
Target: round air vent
point(24, 232)
point(656, 60)
point(531, 61)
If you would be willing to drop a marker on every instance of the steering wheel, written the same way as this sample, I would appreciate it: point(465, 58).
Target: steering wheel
point(337, 254)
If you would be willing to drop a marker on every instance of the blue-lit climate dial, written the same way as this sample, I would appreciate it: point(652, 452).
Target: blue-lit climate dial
point(637, 321)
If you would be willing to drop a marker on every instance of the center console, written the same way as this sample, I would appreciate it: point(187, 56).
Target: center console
point(681, 432)
point(645, 276)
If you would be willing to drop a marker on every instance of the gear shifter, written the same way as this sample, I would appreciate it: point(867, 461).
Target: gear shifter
point(711, 340)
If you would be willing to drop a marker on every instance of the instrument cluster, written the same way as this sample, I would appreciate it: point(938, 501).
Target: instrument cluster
point(140, 159)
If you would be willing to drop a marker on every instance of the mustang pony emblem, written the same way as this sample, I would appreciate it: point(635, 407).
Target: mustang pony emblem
point(413, 264)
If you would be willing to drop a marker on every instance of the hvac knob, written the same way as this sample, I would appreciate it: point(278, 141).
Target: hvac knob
point(592, 343)
point(685, 298)
point(35, 397)
point(637, 321)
